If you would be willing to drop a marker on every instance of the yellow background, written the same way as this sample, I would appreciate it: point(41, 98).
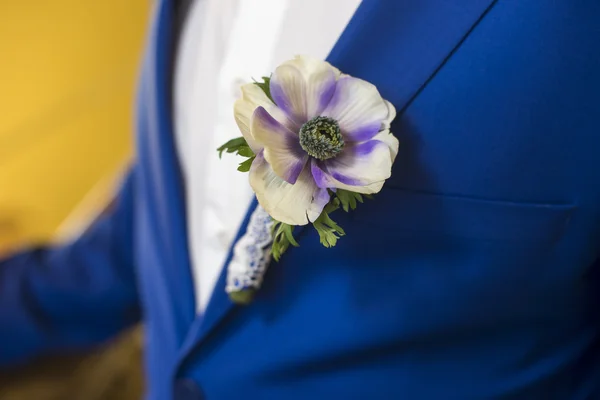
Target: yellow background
point(68, 71)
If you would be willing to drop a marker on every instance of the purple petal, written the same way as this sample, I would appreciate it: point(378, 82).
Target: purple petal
point(363, 133)
point(346, 180)
point(320, 177)
point(319, 92)
point(320, 199)
point(358, 108)
point(323, 178)
point(294, 169)
point(303, 95)
point(287, 90)
point(282, 148)
point(363, 149)
point(293, 204)
point(357, 168)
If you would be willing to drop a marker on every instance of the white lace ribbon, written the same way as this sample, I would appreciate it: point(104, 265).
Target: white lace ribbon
point(251, 254)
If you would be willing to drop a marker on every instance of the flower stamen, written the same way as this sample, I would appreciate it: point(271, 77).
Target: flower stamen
point(321, 138)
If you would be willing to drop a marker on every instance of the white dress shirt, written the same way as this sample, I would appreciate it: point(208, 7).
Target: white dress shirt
point(224, 44)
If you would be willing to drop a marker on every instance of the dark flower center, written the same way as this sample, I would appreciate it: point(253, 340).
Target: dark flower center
point(321, 138)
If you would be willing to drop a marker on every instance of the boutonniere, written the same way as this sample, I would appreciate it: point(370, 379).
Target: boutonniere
point(315, 140)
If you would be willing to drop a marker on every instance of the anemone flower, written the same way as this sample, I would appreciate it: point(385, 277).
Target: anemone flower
point(319, 131)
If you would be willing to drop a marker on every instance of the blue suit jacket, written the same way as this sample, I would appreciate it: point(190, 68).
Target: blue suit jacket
point(472, 275)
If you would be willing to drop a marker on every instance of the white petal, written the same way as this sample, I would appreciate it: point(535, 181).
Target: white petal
point(362, 168)
point(309, 65)
point(253, 97)
point(391, 115)
point(303, 87)
point(326, 180)
point(320, 199)
point(282, 148)
point(392, 141)
point(319, 90)
point(288, 88)
point(358, 108)
point(291, 204)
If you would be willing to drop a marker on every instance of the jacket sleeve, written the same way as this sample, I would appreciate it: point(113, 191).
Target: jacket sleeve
point(71, 296)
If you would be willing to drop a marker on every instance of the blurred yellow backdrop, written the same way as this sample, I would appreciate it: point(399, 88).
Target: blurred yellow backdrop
point(68, 71)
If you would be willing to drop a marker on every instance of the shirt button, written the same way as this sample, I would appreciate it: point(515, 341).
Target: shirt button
point(187, 389)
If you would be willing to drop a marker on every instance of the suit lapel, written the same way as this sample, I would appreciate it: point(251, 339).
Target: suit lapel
point(162, 179)
point(219, 304)
point(398, 45)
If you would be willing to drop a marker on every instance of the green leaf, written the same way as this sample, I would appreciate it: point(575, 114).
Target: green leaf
point(241, 148)
point(245, 152)
point(265, 85)
point(282, 238)
point(348, 199)
point(245, 166)
point(329, 231)
point(243, 297)
point(237, 145)
point(288, 232)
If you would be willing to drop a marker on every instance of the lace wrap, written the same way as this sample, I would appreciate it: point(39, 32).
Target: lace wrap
point(251, 254)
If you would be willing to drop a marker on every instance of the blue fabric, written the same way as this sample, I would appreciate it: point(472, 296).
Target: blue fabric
point(74, 296)
point(473, 275)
